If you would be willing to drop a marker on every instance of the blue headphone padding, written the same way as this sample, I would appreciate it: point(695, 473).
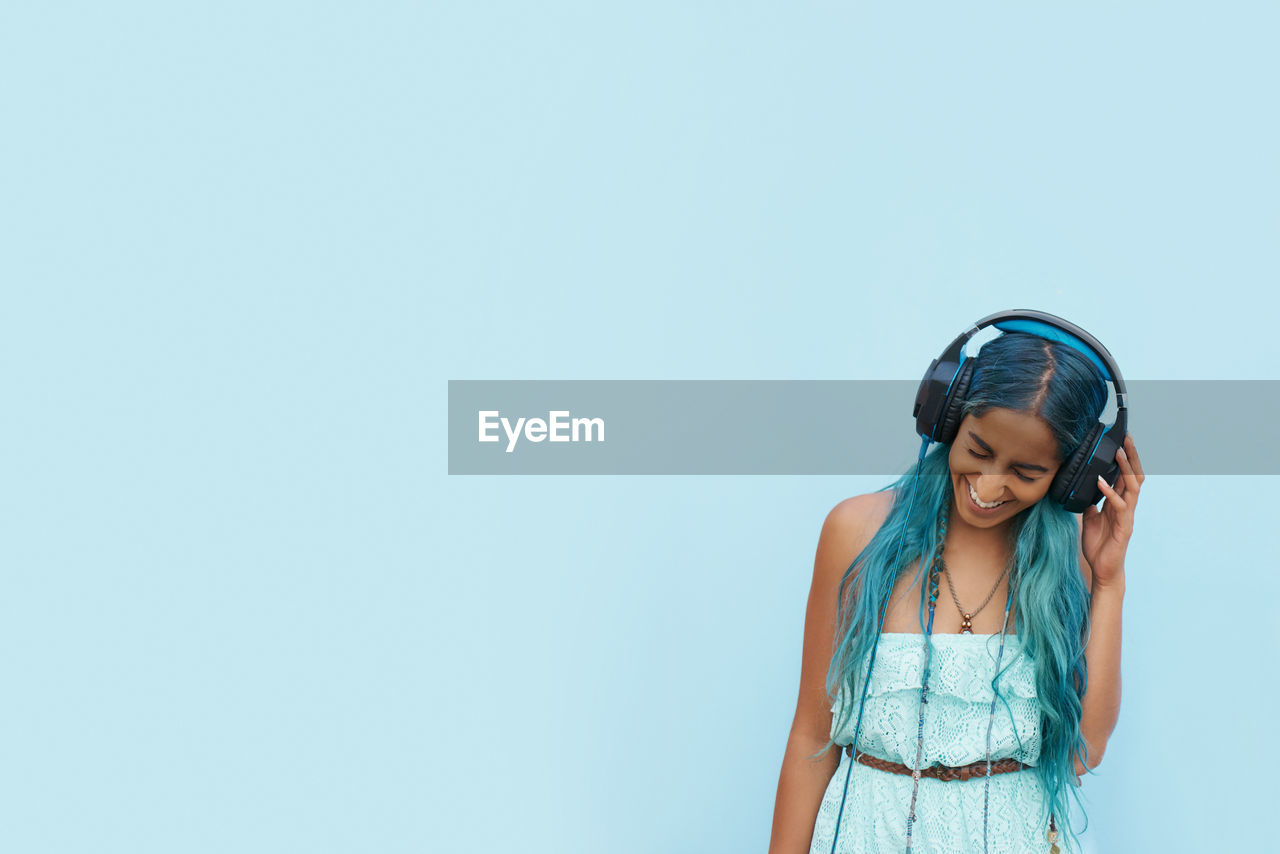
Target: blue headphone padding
point(1044, 330)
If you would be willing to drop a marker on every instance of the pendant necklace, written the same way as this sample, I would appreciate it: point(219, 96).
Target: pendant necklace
point(966, 628)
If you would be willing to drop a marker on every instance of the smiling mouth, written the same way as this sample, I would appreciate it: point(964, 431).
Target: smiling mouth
point(973, 497)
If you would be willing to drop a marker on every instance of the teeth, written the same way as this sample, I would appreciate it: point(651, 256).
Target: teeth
point(982, 504)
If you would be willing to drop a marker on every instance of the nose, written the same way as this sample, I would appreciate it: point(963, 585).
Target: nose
point(989, 487)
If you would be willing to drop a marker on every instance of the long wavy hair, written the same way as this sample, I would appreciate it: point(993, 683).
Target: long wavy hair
point(1060, 385)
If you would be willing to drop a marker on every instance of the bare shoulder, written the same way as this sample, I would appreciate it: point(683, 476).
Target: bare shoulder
point(850, 526)
point(861, 513)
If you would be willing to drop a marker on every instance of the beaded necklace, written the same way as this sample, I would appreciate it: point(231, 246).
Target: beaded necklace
point(935, 569)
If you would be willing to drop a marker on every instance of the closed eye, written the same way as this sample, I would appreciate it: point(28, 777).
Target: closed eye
point(1020, 475)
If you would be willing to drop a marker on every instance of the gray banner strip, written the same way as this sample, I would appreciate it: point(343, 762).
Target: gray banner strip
point(844, 427)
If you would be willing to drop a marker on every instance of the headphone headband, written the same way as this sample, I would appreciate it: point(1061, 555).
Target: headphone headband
point(1055, 328)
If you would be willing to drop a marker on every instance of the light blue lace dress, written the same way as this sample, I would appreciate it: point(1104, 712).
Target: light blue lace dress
point(948, 813)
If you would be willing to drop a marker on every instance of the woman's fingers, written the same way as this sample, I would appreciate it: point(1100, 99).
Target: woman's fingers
point(1111, 494)
point(1131, 451)
point(1130, 479)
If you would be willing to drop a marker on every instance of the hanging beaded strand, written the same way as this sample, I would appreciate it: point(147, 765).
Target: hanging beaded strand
point(991, 718)
point(932, 587)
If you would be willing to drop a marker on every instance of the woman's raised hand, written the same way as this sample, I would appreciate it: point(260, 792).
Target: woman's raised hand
point(1106, 532)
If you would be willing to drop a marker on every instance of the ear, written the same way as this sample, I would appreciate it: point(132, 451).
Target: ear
point(1085, 569)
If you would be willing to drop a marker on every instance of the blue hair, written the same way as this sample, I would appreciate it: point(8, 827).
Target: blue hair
point(1030, 374)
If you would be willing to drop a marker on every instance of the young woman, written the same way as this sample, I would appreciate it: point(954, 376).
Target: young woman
point(962, 637)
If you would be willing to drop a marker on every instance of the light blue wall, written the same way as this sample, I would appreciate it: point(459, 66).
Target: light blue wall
point(245, 245)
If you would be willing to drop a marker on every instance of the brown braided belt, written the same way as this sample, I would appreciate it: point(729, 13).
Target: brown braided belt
point(974, 770)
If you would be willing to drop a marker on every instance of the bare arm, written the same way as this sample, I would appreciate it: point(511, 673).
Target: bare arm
point(803, 781)
point(1102, 657)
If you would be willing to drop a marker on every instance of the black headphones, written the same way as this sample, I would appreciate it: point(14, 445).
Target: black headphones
point(945, 386)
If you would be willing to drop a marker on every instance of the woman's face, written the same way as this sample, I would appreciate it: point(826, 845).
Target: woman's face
point(1003, 456)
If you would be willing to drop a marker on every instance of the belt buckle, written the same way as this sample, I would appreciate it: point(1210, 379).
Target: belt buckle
point(951, 773)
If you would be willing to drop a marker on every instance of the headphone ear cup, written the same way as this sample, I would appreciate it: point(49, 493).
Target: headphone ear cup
point(949, 421)
point(1069, 476)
